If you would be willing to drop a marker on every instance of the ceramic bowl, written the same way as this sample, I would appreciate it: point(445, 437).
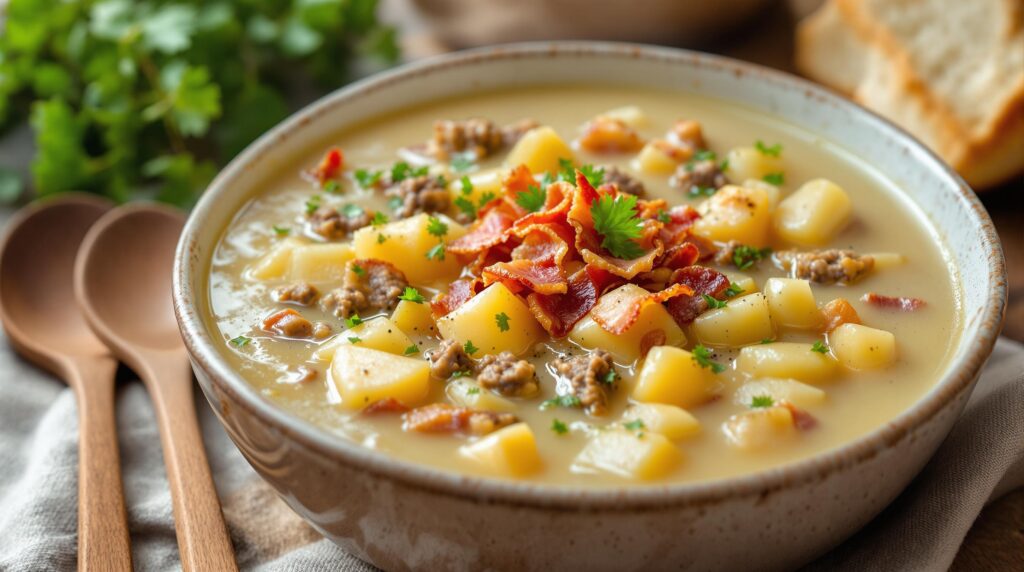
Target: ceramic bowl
point(399, 515)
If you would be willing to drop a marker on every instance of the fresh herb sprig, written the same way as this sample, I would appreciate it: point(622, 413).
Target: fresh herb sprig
point(615, 218)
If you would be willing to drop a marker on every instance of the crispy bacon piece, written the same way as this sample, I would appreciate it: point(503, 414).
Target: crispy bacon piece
point(543, 243)
point(802, 420)
point(680, 220)
point(330, 166)
point(701, 280)
point(893, 303)
point(680, 256)
point(387, 405)
point(445, 418)
point(527, 274)
point(609, 135)
point(838, 312)
point(558, 313)
point(488, 231)
point(616, 319)
point(459, 292)
point(557, 202)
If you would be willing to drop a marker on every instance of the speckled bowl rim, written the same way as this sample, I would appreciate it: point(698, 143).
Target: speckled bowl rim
point(961, 373)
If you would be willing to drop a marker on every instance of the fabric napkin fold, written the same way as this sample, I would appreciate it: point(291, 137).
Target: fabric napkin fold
point(982, 459)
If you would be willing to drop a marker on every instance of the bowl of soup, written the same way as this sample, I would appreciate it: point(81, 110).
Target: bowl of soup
point(587, 306)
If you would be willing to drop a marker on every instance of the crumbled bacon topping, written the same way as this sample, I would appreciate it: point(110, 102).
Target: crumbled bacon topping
point(893, 302)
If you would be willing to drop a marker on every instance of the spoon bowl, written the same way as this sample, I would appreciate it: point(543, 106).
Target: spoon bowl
point(43, 323)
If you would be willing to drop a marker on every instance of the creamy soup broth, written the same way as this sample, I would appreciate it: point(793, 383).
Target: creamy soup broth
point(855, 402)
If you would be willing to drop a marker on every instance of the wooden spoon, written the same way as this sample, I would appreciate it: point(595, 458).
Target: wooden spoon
point(37, 306)
point(123, 286)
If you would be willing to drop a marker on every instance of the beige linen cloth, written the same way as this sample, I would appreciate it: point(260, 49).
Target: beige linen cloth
point(982, 459)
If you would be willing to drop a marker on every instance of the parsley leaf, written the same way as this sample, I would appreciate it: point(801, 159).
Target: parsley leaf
point(467, 185)
point(698, 191)
point(532, 199)
point(466, 206)
point(771, 151)
point(352, 211)
point(381, 238)
point(436, 227)
point(744, 256)
point(436, 253)
point(413, 349)
point(714, 303)
point(567, 401)
point(775, 178)
point(595, 176)
point(473, 391)
point(281, 230)
point(566, 170)
point(368, 179)
point(502, 321)
point(635, 425)
point(559, 427)
point(462, 162)
point(379, 218)
point(704, 155)
point(616, 220)
point(331, 186)
point(663, 217)
point(766, 341)
point(240, 341)
point(486, 198)
point(312, 204)
point(734, 290)
point(353, 320)
point(412, 295)
point(354, 339)
point(359, 270)
point(702, 356)
point(760, 401)
point(461, 373)
point(470, 348)
point(610, 377)
point(819, 347)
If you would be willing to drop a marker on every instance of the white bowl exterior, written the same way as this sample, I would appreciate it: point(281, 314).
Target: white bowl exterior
point(401, 516)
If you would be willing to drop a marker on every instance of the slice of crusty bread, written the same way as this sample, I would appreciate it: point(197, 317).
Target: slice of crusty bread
point(949, 71)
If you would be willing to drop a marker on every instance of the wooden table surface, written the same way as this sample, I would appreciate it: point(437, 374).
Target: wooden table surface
point(996, 541)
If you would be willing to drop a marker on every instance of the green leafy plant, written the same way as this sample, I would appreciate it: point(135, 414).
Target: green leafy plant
point(146, 98)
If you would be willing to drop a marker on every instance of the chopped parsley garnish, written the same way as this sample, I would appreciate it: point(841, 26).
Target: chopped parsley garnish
point(704, 155)
point(771, 151)
point(240, 341)
point(359, 270)
point(354, 339)
point(466, 206)
point(759, 401)
point(664, 217)
point(467, 185)
point(767, 341)
point(395, 203)
point(441, 181)
point(367, 179)
point(461, 373)
point(547, 179)
point(470, 348)
point(567, 173)
point(698, 191)
point(532, 199)
point(353, 320)
point(502, 321)
point(567, 401)
point(616, 220)
point(281, 230)
point(473, 391)
point(436, 227)
point(486, 198)
point(566, 170)
point(381, 238)
point(331, 186)
point(734, 290)
point(412, 295)
point(714, 303)
point(312, 204)
point(436, 253)
point(610, 377)
point(744, 256)
point(635, 425)
point(724, 165)
point(775, 178)
point(819, 347)
point(413, 349)
point(463, 162)
point(595, 176)
point(352, 211)
point(702, 356)
point(559, 427)
point(379, 218)
point(402, 171)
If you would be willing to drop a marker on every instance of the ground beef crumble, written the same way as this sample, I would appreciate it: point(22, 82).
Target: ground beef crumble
point(584, 376)
point(825, 266)
point(368, 284)
point(449, 358)
point(625, 182)
point(481, 137)
point(332, 224)
point(301, 293)
point(423, 194)
point(445, 418)
point(704, 174)
point(507, 375)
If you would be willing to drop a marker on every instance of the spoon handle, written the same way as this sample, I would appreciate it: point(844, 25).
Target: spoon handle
point(203, 540)
point(103, 542)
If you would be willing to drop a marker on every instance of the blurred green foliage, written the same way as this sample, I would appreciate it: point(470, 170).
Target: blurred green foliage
point(127, 95)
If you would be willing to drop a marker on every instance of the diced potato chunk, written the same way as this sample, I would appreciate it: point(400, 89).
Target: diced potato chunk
point(791, 390)
point(320, 263)
point(749, 163)
point(377, 333)
point(860, 347)
point(363, 376)
point(814, 214)
point(631, 115)
point(736, 213)
point(672, 375)
point(791, 303)
point(673, 422)
point(481, 183)
point(745, 320)
point(476, 321)
point(511, 451)
point(640, 455)
point(540, 149)
point(628, 346)
point(759, 428)
point(466, 393)
point(276, 264)
point(406, 244)
point(787, 359)
point(414, 319)
point(659, 157)
point(773, 192)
